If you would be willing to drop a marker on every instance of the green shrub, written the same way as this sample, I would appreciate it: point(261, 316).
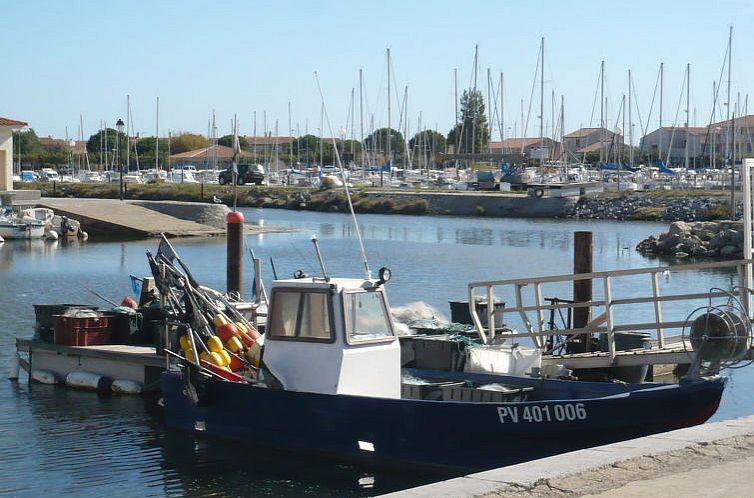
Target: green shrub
point(718, 212)
point(649, 214)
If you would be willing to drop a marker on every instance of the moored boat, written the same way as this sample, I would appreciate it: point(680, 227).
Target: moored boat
point(330, 382)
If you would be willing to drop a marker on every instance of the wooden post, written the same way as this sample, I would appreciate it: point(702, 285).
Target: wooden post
point(582, 289)
point(235, 252)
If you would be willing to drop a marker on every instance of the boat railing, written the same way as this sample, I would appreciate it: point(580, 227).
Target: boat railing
point(534, 316)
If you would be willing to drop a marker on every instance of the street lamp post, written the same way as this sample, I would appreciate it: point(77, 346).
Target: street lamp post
point(119, 126)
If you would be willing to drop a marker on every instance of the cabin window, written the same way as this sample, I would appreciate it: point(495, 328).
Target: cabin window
point(366, 317)
point(301, 316)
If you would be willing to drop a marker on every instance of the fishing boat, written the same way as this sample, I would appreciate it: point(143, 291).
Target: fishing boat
point(328, 381)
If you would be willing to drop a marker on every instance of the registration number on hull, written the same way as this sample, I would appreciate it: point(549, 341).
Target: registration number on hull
point(548, 413)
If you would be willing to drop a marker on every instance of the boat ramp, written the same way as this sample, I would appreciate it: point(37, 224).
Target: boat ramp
point(133, 219)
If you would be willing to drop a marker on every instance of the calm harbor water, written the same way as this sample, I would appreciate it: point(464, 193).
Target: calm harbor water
point(65, 442)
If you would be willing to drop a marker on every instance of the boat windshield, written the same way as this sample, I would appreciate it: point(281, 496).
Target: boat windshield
point(366, 317)
point(302, 316)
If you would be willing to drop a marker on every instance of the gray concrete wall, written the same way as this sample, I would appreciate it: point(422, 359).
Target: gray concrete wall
point(487, 204)
point(204, 213)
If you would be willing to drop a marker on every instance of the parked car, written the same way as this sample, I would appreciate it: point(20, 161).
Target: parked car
point(247, 173)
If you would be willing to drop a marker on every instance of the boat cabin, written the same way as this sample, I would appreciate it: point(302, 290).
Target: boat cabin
point(333, 336)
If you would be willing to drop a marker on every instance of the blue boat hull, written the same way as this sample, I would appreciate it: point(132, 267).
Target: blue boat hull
point(459, 436)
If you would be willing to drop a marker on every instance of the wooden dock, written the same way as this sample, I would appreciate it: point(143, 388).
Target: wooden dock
point(111, 217)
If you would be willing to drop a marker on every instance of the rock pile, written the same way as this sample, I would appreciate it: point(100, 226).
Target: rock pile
point(630, 207)
point(706, 239)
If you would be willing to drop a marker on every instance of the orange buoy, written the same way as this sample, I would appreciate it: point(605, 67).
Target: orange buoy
point(129, 302)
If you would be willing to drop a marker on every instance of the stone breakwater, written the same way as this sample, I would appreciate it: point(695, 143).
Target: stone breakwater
point(706, 239)
point(645, 207)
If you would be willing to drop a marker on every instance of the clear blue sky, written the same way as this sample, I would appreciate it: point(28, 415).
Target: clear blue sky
point(63, 59)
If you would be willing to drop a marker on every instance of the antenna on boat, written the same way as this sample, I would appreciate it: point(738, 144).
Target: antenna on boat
point(367, 271)
point(319, 257)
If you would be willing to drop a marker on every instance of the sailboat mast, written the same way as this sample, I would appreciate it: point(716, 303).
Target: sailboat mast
point(730, 132)
point(542, 95)
point(128, 132)
point(662, 75)
point(602, 112)
point(361, 116)
point(157, 136)
point(630, 125)
point(389, 130)
point(502, 111)
point(290, 131)
point(473, 118)
point(688, 104)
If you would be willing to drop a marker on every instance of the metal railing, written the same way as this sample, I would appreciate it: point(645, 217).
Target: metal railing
point(536, 326)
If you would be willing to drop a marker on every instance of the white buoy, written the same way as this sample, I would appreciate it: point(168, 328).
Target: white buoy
point(88, 380)
point(45, 377)
point(83, 235)
point(15, 366)
point(51, 235)
point(2, 240)
point(125, 386)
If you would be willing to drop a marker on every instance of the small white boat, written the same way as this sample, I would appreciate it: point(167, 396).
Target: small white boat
point(15, 227)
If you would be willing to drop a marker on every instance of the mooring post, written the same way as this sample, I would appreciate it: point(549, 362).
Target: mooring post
point(235, 252)
point(582, 289)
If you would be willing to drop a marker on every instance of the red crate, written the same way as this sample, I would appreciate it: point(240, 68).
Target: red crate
point(88, 331)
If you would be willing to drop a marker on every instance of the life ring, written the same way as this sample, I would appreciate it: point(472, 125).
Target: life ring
point(538, 192)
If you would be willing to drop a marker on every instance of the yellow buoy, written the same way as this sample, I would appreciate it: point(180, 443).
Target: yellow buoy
point(219, 320)
point(226, 358)
point(242, 327)
point(185, 344)
point(234, 344)
point(205, 356)
point(215, 344)
point(217, 359)
point(190, 356)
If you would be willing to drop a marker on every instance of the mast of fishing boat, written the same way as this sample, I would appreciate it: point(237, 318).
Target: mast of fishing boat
point(489, 109)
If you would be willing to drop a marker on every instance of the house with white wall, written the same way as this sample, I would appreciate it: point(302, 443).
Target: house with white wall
point(7, 127)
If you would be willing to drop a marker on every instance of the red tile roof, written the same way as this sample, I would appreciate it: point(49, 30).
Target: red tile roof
point(11, 122)
point(584, 132)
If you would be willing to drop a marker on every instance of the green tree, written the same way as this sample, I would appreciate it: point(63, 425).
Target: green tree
point(307, 149)
point(27, 142)
point(108, 137)
point(227, 141)
point(428, 141)
point(471, 134)
point(350, 151)
point(377, 141)
point(186, 142)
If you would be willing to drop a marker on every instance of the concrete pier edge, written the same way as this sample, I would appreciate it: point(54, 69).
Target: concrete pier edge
point(604, 468)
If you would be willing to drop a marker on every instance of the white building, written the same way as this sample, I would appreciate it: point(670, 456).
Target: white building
point(7, 127)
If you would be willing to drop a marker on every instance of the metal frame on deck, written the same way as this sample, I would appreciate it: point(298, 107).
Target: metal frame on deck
point(605, 321)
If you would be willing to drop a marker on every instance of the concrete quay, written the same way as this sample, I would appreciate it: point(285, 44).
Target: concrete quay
point(714, 459)
point(144, 219)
